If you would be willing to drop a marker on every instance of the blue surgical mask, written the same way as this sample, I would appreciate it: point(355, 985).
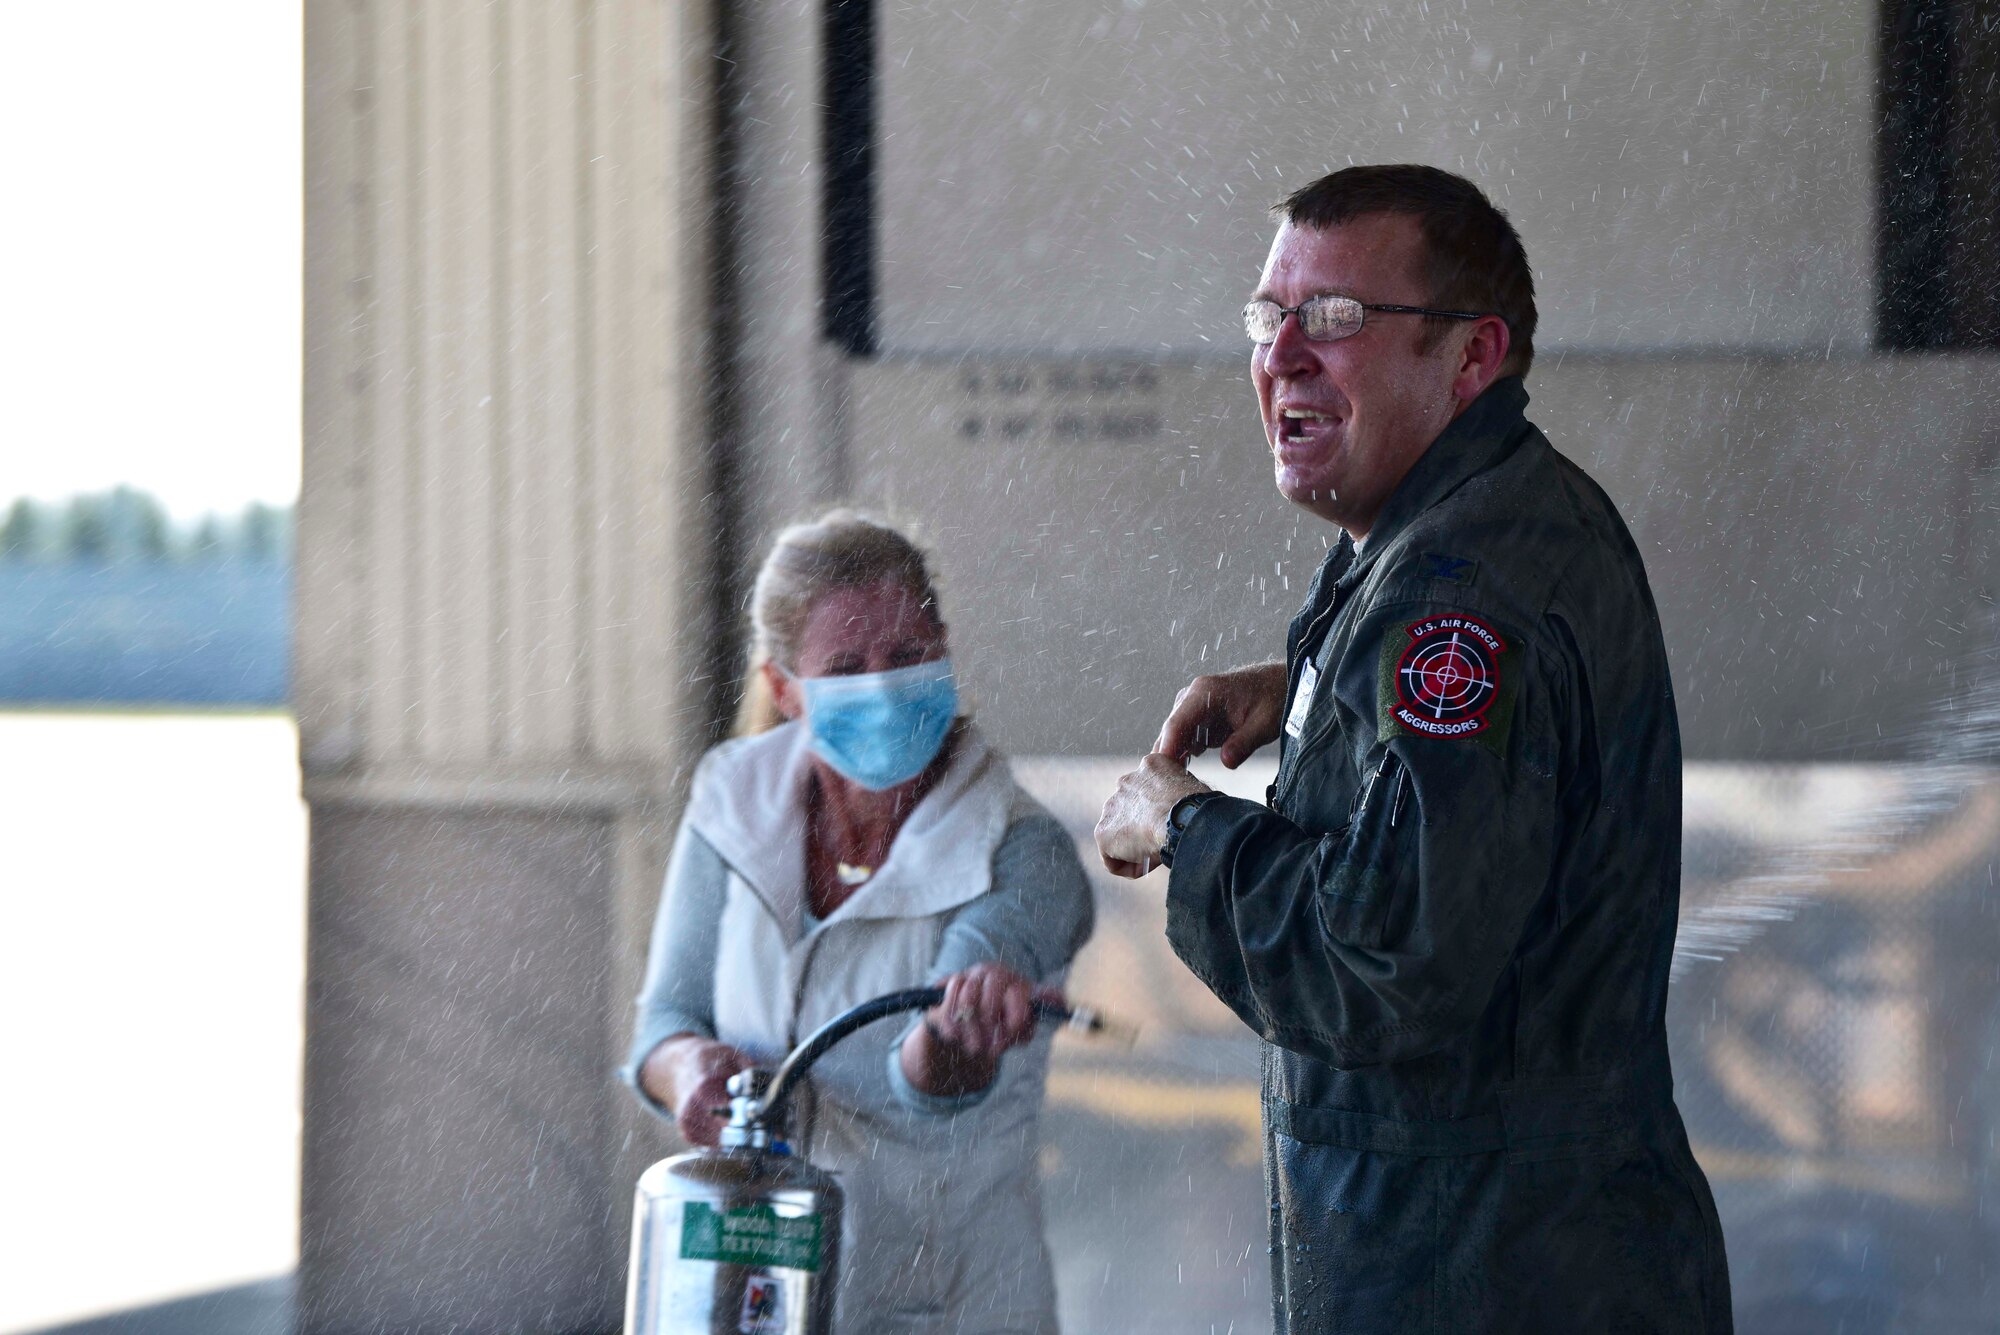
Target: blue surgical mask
point(881, 728)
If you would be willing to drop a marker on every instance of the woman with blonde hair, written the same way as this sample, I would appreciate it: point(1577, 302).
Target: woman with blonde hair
point(873, 841)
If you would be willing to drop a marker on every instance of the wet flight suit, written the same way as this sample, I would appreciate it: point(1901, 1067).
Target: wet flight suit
point(1453, 922)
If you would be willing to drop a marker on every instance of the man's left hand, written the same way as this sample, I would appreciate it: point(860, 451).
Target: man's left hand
point(1134, 824)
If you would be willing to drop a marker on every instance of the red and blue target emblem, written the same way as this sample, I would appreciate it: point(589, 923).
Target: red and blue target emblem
point(1448, 676)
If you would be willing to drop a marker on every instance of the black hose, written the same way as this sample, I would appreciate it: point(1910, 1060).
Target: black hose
point(801, 1058)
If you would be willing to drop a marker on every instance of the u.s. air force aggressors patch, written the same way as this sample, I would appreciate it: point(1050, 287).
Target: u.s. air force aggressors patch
point(1449, 676)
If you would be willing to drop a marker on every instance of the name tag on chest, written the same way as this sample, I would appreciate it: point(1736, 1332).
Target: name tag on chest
point(1302, 700)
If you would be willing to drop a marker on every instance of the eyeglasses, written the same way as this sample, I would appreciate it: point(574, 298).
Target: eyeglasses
point(1324, 319)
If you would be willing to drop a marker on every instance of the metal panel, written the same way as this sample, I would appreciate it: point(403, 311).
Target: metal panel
point(546, 246)
point(1089, 175)
point(459, 228)
point(609, 385)
point(388, 521)
point(332, 572)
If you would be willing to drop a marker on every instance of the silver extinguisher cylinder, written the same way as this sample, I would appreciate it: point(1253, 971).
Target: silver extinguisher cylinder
point(742, 1241)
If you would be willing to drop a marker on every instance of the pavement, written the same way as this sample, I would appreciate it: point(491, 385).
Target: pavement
point(262, 1308)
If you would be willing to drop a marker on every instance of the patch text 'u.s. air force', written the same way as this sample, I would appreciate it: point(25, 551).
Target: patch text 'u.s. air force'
point(1448, 676)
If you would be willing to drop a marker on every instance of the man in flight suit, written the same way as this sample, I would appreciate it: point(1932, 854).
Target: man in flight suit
point(1453, 921)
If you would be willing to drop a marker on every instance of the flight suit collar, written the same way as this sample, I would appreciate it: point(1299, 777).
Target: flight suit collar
point(1478, 438)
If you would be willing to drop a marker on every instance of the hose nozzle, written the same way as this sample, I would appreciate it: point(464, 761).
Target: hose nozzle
point(1089, 1020)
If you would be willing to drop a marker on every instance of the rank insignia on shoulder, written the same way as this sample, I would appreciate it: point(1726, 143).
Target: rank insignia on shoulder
point(1451, 569)
point(1448, 676)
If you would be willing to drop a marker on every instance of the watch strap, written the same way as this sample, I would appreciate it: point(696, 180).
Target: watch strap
point(1179, 816)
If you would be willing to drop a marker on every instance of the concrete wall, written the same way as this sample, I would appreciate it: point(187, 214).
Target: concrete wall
point(1822, 535)
point(503, 573)
point(783, 389)
point(456, 1152)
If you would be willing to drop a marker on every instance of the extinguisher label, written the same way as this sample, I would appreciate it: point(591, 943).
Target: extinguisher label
point(752, 1235)
point(763, 1306)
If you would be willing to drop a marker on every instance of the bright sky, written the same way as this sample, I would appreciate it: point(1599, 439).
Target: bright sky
point(151, 244)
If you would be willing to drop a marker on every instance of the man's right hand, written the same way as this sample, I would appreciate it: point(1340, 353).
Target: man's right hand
point(690, 1074)
point(1237, 711)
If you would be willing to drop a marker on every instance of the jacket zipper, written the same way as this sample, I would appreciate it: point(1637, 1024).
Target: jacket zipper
point(1318, 627)
point(811, 1095)
point(1288, 746)
point(1311, 635)
point(808, 1099)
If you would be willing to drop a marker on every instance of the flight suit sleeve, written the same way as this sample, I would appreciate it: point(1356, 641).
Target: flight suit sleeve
point(1383, 939)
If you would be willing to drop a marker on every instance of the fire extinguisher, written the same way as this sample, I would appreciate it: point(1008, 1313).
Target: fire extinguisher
point(745, 1239)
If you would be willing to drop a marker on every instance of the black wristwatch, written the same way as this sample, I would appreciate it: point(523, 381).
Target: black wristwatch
point(1177, 822)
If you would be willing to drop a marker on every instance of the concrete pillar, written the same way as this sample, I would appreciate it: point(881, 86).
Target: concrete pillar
point(787, 417)
point(505, 632)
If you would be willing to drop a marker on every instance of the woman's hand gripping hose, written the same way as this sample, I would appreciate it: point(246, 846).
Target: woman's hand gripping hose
point(757, 1116)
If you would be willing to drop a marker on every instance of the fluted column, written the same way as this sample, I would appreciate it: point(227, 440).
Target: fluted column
point(504, 630)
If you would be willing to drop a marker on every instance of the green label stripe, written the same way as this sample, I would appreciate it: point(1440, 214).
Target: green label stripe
point(755, 1235)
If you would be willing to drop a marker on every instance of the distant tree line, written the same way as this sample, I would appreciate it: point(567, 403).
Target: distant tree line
point(129, 526)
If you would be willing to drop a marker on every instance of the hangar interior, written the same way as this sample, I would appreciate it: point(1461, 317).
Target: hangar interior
point(600, 294)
